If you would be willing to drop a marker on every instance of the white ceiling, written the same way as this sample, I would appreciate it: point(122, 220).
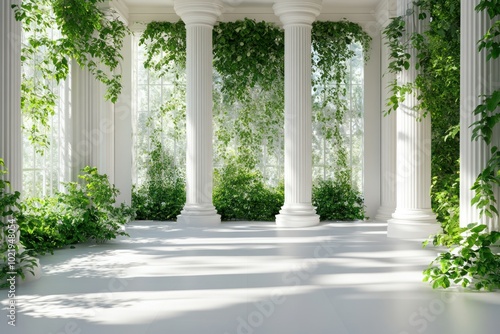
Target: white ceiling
point(235, 3)
point(138, 12)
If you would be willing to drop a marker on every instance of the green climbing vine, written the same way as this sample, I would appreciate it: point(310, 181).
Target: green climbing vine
point(332, 53)
point(437, 87)
point(249, 90)
point(489, 117)
point(58, 31)
point(165, 45)
point(473, 260)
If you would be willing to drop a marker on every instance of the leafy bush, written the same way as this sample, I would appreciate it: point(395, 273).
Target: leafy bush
point(446, 205)
point(240, 193)
point(84, 212)
point(163, 195)
point(11, 252)
point(337, 201)
point(472, 263)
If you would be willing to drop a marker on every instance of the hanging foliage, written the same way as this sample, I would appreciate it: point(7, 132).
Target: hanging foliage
point(57, 31)
point(249, 85)
point(165, 45)
point(248, 54)
point(331, 42)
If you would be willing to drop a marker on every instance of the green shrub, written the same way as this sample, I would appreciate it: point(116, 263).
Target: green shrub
point(9, 218)
point(446, 205)
point(337, 201)
point(474, 262)
point(84, 212)
point(163, 194)
point(240, 194)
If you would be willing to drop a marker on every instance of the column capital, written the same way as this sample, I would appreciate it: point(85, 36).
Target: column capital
point(297, 12)
point(198, 12)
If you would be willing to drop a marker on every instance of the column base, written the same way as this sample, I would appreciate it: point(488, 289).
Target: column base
point(297, 216)
point(384, 213)
point(413, 224)
point(199, 216)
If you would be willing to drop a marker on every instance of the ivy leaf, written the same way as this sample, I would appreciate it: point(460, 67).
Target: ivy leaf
point(493, 101)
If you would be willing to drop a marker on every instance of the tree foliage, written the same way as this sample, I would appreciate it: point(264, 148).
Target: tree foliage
point(58, 31)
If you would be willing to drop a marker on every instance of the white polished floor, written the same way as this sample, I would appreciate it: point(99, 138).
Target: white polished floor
point(246, 278)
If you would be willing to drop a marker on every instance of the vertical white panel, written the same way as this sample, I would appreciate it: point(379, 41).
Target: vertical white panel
point(477, 77)
point(10, 94)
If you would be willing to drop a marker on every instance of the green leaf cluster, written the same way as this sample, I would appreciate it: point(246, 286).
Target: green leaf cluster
point(248, 54)
point(333, 45)
point(165, 45)
point(85, 212)
point(57, 31)
point(446, 206)
point(474, 263)
point(163, 194)
point(337, 200)
point(241, 194)
point(9, 209)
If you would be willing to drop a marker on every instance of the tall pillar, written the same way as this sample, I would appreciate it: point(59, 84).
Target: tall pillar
point(91, 124)
point(10, 94)
point(297, 18)
point(199, 17)
point(413, 217)
point(388, 124)
point(477, 77)
point(10, 117)
point(123, 128)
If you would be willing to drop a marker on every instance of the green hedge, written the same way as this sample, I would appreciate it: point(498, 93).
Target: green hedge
point(337, 201)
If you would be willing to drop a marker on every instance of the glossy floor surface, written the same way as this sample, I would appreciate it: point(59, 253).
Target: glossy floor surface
point(250, 278)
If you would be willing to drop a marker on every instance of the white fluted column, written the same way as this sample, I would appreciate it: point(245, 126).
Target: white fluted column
point(477, 77)
point(199, 17)
point(91, 124)
point(388, 131)
point(10, 94)
point(297, 18)
point(10, 115)
point(413, 217)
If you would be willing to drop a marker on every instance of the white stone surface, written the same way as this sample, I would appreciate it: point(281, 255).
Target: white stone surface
point(297, 18)
point(477, 77)
point(342, 278)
